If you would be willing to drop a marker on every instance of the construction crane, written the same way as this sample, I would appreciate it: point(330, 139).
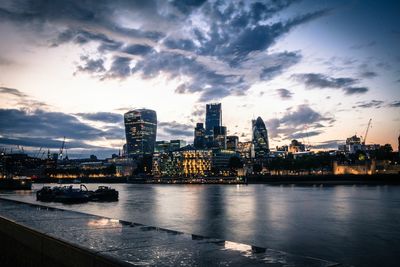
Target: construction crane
point(60, 155)
point(366, 132)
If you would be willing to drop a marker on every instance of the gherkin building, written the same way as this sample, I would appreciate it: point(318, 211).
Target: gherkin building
point(260, 138)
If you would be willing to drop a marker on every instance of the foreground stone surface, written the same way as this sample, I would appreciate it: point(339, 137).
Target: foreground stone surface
point(45, 236)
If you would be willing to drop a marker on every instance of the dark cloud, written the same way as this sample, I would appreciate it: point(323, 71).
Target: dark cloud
point(120, 68)
point(107, 117)
point(318, 80)
point(277, 63)
point(302, 121)
point(369, 74)
point(355, 90)
point(369, 104)
point(321, 81)
point(12, 91)
point(394, 104)
point(43, 124)
point(138, 49)
point(303, 115)
point(284, 93)
point(91, 65)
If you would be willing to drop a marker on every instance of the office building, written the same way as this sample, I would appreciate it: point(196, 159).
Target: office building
point(260, 138)
point(213, 118)
point(220, 137)
point(141, 131)
point(199, 136)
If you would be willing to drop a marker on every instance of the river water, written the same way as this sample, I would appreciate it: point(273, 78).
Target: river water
point(356, 225)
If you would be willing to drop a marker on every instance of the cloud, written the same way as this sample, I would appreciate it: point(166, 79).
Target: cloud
point(91, 65)
point(12, 91)
point(138, 49)
point(394, 104)
point(355, 90)
point(22, 99)
point(298, 122)
point(318, 80)
point(303, 115)
point(20, 124)
point(284, 93)
point(369, 74)
point(107, 117)
point(369, 104)
point(214, 59)
point(321, 81)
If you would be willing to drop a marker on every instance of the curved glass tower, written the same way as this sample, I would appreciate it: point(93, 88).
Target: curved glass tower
point(141, 131)
point(260, 138)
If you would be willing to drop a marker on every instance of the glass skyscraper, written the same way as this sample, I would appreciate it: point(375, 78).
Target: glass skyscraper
point(213, 118)
point(260, 138)
point(141, 131)
point(199, 136)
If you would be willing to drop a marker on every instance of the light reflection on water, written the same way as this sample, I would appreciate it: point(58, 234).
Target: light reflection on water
point(357, 225)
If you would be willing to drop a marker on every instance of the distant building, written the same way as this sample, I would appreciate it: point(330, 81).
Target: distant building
point(213, 118)
point(353, 144)
point(199, 136)
point(362, 168)
point(296, 147)
point(220, 137)
point(260, 138)
point(140, 130)
point(220, 161)
point(232, 142)
point(246, 150)
point(168, 146)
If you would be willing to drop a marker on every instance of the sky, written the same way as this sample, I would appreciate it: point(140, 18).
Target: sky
point(315, 71)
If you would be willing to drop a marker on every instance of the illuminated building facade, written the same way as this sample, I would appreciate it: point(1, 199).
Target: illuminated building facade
point(188, 163)
point(260, 138)
point(140, 130)
point(232, 142)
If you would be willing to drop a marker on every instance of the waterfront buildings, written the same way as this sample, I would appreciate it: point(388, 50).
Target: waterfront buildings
point(140, 130)
point(186, 163)
point(260, 138)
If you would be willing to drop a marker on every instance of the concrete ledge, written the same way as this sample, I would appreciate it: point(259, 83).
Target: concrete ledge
point(22, 246)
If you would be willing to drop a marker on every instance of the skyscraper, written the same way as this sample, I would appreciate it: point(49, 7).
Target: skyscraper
point(220, 137)
point(213, 118)
point(140, 130)
point(260, 138)
point(199, 136)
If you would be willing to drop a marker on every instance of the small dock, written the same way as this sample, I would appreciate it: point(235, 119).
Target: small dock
point(36, 235)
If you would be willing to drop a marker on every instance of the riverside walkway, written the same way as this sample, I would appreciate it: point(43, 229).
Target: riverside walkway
point(37, 235)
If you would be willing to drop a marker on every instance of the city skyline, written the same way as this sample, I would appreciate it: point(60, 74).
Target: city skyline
point(73, 69)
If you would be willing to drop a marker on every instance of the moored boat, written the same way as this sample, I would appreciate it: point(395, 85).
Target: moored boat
point(104, 193)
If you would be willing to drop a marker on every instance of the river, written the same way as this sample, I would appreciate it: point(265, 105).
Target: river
point(356, 225)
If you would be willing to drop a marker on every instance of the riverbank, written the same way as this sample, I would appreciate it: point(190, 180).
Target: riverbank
point(36, 235)
point(376, 179)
